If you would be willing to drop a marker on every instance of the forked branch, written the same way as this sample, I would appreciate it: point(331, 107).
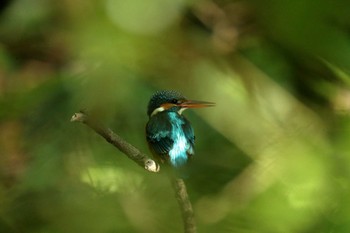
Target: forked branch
point(144, 161)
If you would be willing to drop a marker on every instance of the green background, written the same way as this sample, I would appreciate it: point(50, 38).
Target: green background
point(273, 156)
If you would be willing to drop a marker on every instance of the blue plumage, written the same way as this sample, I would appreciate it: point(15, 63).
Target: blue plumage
point(171, 138)
point(169, 134)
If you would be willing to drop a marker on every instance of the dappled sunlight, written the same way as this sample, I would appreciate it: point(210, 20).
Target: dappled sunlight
point(112, 179)
point(272, 155)
point(285, 139)
point(156, 15)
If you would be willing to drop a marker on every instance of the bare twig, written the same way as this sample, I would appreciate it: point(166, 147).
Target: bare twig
point(185, 205)
point(144, 161)
point(132, 152)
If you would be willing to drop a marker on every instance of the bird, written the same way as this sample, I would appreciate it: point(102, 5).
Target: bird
point(169, 134)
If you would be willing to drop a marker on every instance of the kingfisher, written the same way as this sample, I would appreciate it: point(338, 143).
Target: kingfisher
point(169, 134)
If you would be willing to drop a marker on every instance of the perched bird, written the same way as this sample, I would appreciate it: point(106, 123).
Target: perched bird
point(169, 134)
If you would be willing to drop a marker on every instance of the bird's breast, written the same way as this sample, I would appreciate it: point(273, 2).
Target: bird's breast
point(178, 154)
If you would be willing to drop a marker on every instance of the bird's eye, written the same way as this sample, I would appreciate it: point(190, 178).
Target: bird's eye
point(175, 101)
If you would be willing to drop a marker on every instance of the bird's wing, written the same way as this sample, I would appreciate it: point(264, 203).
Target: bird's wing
point(158, 134)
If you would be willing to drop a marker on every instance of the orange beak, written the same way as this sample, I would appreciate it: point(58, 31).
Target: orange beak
point(196, 104)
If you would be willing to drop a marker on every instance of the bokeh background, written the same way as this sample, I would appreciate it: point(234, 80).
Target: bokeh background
point(272, 157)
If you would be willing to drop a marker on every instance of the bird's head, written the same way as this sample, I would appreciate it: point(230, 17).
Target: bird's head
point(172, 101)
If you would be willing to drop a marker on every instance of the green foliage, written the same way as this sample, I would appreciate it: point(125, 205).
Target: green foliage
point(272, 156)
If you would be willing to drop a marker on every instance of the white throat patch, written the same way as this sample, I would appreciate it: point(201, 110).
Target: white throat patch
point(161, 109)
point(181, 110)
point(155, 111)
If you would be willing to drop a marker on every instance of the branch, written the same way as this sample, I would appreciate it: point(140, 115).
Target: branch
point(150, 165)
point(129, 150)
point(185, 205)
